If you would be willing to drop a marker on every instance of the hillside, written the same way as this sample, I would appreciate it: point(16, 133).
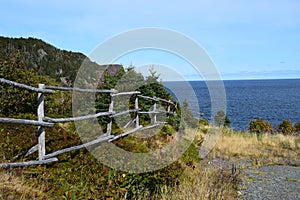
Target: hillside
point(44, 58)
point(77, 175)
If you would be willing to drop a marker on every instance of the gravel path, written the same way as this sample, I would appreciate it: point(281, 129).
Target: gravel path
point(271, 182)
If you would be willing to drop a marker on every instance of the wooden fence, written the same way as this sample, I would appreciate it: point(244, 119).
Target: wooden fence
point(44, 121)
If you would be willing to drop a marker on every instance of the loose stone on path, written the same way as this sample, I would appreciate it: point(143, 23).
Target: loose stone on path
point(279, 182)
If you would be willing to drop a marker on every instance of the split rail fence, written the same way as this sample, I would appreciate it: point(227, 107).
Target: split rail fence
point(44, 121)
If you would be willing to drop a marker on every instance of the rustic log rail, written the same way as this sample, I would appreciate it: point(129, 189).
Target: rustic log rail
point(80, 89)
point(20, 85)
point(28, 163)
point(74, 119)
point(25, 121)
point(44, 121)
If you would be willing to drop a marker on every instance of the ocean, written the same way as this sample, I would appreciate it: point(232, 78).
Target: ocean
point(271, 100)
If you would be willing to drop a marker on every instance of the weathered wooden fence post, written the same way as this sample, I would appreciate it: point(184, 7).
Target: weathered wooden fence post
point(137, 122)
point(110, 109)
point(169, 108)
point(154, 111)
point(41, 129)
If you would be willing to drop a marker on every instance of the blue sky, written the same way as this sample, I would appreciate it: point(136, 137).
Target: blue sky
point(246, 39)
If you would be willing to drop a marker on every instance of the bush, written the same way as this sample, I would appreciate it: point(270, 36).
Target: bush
point(286, 127)
point(188, 119)
point(221, 119)
point(15, 100)
point(203, 122)
point(167, 130)
point(259, 126)
point(297, 127)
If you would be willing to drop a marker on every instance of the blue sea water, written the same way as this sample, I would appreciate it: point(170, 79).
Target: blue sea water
point(271, 100)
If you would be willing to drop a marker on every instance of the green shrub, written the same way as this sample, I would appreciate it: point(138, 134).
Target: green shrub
point(167, 130)
point(221, 119)
point(297, 127)
point(187, 117)
point(203, 122)
point(259, 126)
point(286, 127)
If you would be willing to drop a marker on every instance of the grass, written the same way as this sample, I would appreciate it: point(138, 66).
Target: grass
point(203, 184)
point(12, 187)
point(234, 145)
point(78, 175)
point(199, 182)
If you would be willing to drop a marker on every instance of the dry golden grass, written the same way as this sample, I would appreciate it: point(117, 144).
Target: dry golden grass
point(203, 184)
point(234, 145)
point(213, 183)
point(12, 187)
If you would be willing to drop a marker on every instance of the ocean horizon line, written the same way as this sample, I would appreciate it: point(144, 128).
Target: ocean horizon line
point(250, 79)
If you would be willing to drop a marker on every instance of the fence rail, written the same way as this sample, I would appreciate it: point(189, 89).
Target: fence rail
point(74, 119)
point(26, 87)
point(44, 121)
point(25, 121)
point(79, 89)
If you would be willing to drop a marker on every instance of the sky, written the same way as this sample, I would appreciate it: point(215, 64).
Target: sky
point(245, 39)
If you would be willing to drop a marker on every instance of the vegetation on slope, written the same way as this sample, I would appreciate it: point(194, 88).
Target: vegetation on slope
point(44, 58)
point(77, 175)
